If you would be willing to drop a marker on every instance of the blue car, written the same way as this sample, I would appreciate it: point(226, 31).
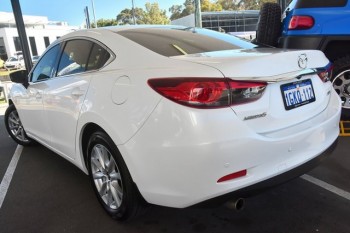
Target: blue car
point(313, 24)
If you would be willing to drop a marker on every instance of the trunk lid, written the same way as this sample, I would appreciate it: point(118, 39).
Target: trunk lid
point(269, 114)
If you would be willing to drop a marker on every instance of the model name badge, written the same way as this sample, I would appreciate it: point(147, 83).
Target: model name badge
point(255, 116)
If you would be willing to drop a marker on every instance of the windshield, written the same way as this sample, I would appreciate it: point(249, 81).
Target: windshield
point(181, 41)
point(12, 59)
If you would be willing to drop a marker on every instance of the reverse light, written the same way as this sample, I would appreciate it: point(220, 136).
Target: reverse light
point(301, 22)
point(207, 92)
point(232, 176)
point(325, 73)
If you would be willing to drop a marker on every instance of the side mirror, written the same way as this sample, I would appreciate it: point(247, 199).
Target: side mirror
point(20, 76)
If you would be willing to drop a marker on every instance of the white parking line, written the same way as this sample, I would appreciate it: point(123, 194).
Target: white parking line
point(327, 186)
point(5, 183)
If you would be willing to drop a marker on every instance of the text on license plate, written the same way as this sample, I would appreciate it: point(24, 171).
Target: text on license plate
point(297, 94)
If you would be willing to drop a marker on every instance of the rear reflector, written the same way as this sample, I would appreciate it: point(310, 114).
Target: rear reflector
point(301, 22)
point(233, 176)
point(207, 92)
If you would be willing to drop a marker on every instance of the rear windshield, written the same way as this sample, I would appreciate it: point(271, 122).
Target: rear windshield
point(320, 3)
point(181, 41)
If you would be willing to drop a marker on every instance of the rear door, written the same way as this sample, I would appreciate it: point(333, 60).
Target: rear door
point(65, 94)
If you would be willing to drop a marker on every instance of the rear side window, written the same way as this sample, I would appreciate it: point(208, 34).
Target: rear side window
point(75, 57)
point(320, 3)
point(175, 42)
point(98, 57)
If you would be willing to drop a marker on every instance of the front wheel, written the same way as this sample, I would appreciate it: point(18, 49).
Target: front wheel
point(14, 126)
point(111, 179)
point(341, 84)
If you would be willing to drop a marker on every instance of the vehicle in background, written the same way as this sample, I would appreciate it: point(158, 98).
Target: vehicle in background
point(313, 24)
point(14, 63)
point(35, 59)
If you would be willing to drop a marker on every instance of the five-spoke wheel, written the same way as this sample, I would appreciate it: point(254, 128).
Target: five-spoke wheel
point(110, 178)
point(14, 126)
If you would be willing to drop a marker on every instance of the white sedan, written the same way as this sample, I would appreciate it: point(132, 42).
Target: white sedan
point(175, 116)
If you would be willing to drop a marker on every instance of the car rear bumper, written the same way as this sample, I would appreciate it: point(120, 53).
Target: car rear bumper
point(272, 182)
point(187, 151)
point(301, 42)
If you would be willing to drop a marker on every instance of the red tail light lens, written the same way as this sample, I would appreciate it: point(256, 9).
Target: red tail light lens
point(325, 73)
point(207, 92)
point(301, 22)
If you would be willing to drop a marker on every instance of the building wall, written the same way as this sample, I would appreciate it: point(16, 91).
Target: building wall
point(9, 33)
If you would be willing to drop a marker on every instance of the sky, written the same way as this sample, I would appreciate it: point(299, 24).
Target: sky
point(72, 11)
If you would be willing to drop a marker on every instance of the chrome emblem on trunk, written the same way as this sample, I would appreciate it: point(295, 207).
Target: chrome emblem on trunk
point(302, 61)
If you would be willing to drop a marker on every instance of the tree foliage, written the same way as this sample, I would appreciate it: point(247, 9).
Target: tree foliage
point(151, 15)
point(125, 17)
point(178, 11)
point(154, 15)
point(105, 23)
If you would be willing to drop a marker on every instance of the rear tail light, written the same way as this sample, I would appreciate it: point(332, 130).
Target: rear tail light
point(325, 73)
point(207, 92)
point(301, 22)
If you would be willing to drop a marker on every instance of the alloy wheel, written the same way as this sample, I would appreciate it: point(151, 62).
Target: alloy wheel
point(106, 176)
point(341, 84)
point(16, 127)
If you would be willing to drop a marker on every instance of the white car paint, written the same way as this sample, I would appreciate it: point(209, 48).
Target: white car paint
point(14, 63)
point(176, 154)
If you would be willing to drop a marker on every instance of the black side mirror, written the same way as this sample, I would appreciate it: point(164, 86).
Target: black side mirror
point(20, 76)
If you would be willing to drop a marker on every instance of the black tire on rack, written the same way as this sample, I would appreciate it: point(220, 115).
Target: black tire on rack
point(269, 24)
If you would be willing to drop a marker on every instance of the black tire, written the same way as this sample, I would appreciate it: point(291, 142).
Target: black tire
point(113, 185)
point(341, 83)
point(15, 128)
point(269, 25)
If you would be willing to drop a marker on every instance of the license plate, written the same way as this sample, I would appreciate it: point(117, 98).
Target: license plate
point(297, 94)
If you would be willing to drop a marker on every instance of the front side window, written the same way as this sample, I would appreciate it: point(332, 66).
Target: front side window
point(75, 57)
point(46, 67)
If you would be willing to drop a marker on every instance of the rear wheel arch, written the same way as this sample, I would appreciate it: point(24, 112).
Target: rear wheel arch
point(133, 204)
point(88, 130)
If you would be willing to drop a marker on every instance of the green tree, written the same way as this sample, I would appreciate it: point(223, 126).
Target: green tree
point(105, 23)
point(125, 17)
point(154, 15)
point(178, 11)
point(175, 11)
point(207, 5)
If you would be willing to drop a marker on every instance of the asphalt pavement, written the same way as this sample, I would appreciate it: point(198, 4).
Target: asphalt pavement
point(48, 194)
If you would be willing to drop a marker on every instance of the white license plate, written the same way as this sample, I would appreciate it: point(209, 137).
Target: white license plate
point(297, 94)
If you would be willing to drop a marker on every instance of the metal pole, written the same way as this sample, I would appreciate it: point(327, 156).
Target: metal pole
point(93, 12)
point(133, 11)
point(22, 34)
point(197, 14)
point(87, 17)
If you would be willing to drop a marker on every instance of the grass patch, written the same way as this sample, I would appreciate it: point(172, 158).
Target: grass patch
point(2, 101)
